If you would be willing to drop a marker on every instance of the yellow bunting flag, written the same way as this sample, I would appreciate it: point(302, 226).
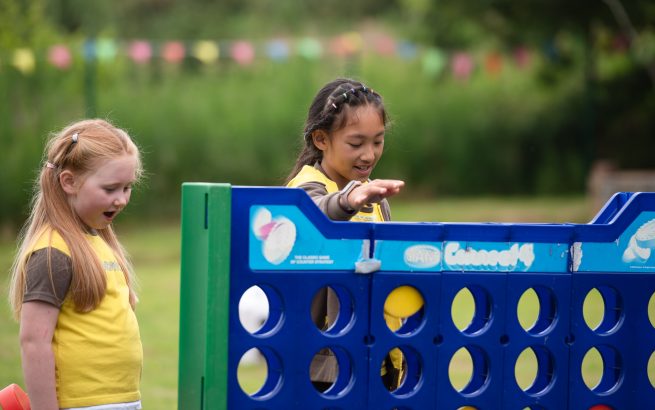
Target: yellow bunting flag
point(206, 51)
point(24, 60)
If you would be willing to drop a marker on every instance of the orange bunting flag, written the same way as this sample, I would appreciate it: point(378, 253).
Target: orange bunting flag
point(493, 64)
point(173, 52)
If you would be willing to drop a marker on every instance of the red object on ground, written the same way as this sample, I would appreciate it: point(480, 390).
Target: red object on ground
point(13, 397)
point(600, 407)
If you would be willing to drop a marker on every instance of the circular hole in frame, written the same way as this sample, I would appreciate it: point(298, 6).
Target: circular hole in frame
point(471, 310)
point(651, 310)
point(468, 370)
point(601, 369)
point(331, 371)
point(534, 370)
point(650, 369)
point(401, 371)
point(332, 310)
point(602, 309)
point(404, 310)
point(259, 372)
point(536, 310)
point(255, 309)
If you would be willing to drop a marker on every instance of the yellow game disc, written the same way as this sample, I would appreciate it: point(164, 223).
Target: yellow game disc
point(403, 301)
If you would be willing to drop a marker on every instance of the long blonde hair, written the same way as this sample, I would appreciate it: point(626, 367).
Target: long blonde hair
point(81, 147)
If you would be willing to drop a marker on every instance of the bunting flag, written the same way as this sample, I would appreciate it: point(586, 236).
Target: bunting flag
point(173, 52)
point(278, 50)
point(60, 56)
point(24, 60)
point(206, 51)
point(384, 45)
point(522, 57)
point(462, 66)
point(310, 48)
point(106, 49)
point(493, 63)
point(140, 51)
point(433, 61)
point(243, 52)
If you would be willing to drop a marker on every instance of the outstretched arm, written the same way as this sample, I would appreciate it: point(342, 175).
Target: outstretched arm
point(374, 191)
point(37, 327)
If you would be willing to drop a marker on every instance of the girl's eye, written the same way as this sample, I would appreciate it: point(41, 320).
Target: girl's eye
point(109, 190)
point(354, 145)
point(127, 188)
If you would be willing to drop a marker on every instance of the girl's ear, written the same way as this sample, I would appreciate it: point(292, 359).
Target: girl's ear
point(320, 137)
point(67, 182)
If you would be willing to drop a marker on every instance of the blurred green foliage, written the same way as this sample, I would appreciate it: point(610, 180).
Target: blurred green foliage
point(525, 130)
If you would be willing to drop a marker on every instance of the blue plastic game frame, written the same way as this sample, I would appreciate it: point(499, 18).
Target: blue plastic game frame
point(234, 238)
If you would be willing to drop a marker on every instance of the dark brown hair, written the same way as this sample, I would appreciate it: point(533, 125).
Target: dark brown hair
point(329, 111)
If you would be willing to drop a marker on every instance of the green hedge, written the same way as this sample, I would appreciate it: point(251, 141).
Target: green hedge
point(511, 134)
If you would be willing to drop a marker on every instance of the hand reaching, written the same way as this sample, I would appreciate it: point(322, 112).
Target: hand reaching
point(374, 191)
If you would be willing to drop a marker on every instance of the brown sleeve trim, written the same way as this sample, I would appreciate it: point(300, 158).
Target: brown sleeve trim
point(329, 204)
point(39, 285)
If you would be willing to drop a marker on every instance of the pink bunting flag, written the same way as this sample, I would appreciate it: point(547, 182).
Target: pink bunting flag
point(140, 51)
point(243, 52)
point(384, 45)
point(60, 56)
point(462, 66)
point(522, 57)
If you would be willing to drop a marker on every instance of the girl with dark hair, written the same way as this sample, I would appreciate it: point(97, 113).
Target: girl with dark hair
point(343, 140)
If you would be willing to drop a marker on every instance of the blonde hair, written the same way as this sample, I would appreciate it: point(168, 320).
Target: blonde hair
point(81, 148)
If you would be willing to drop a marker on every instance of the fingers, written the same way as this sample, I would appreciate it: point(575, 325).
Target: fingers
point(375, 191)
point(389, 187)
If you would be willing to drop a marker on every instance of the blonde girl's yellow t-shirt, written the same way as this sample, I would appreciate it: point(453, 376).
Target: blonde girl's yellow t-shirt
point(98, 354)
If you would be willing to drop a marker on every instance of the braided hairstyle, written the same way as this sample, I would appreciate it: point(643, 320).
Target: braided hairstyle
point(329, 112)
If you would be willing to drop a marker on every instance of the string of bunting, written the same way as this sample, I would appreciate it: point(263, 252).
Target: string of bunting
point(434, 61)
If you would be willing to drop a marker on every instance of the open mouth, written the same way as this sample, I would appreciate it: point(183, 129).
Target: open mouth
point(363, 169)
point(109, 215)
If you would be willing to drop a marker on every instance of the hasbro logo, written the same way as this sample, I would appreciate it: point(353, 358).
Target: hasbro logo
point(422, 256)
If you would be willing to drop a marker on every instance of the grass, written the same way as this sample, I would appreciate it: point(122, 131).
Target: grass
point(156, 255)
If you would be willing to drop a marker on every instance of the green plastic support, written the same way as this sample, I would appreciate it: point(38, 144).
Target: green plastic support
point(204, 296)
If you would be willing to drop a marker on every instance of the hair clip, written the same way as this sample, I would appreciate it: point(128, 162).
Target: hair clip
point(345, 96)
point(74, 137)
point(352, 90)
point(334, 105)
point(364, 88)
point(50, 165)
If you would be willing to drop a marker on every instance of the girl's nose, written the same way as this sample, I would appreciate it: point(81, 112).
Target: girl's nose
point(121, 201)
point(368, 154)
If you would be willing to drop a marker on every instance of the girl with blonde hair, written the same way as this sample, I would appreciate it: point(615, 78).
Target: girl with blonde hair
point(72, 288)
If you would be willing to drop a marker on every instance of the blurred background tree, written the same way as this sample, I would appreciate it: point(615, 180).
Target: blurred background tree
point(500, 97)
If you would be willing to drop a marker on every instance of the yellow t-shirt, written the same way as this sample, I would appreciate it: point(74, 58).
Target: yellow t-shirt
point(310, 174)
point(98, 354)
